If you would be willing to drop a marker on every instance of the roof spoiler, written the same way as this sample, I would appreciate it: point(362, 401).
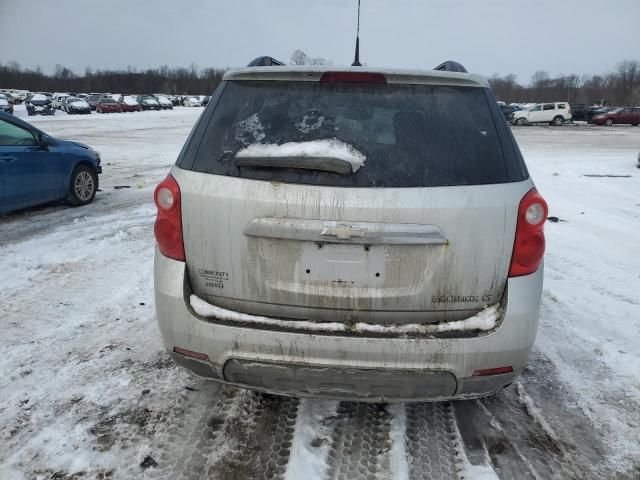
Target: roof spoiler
point(451, 66)
point(265, 62)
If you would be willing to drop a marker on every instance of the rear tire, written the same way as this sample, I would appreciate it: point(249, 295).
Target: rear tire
point(608, 122)
point(558, 120)
point(83, 186)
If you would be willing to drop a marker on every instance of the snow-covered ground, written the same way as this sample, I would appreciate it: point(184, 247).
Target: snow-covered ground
point(88, 392)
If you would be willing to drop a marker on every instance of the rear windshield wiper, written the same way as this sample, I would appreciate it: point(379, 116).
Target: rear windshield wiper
point(327, 164)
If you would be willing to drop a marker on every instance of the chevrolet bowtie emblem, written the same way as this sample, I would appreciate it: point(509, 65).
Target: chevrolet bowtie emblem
point(343, 232)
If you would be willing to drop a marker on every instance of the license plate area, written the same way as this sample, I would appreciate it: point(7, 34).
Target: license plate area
point(352, 265)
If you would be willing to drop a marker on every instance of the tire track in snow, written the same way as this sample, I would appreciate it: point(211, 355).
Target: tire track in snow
point(261, 439)
point(361, 443)
point(204, 433)
point(518, 440)
point(431, 442)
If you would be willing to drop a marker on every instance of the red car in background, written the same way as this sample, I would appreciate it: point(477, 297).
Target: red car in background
point(108, 105)
point(129, 104)
point(627, 115)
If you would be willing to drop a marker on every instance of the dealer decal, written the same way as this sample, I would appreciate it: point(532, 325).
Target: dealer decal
point(213, 278)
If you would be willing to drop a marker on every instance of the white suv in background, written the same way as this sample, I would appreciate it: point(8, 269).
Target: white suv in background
point(552, 113)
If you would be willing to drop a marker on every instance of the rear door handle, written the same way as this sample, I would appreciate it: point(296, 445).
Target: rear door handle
point(7, 158)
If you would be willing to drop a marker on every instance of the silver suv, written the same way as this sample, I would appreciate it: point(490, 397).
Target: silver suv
point(370, 235)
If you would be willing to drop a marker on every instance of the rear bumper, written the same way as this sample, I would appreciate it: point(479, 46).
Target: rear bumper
point(347, 367)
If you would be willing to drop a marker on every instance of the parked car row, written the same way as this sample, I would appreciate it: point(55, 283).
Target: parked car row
point(558, 113)
point(44, 103)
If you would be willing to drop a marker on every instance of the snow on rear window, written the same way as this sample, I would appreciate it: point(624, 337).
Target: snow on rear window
point(328, 148)
point(249, 130)
point(39, 98)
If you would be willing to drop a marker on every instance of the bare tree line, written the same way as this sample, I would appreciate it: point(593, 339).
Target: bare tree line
point(169, 80)
point(619, 87)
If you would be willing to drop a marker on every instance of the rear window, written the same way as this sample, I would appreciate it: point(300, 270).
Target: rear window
point(409, 135)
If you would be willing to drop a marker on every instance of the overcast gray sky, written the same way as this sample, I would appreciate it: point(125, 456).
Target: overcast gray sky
point(489, 36)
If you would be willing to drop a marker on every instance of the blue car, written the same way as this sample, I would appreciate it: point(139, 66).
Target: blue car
point(36, 168)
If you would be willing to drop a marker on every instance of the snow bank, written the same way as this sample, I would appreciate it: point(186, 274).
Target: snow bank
point(484, 320)
point(332, 148)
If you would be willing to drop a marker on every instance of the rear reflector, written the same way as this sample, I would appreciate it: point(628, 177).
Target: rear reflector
point(189, 353)
point(492, 371)
point(353, 77)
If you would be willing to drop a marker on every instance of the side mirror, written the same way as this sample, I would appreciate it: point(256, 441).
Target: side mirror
point(43, 141)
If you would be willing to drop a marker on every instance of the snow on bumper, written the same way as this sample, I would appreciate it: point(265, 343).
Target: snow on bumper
point(344, 365)
point(483, 321)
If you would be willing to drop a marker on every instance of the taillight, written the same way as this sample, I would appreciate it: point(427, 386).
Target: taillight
point(528, 247)
point(353, 77)
point(168, 226)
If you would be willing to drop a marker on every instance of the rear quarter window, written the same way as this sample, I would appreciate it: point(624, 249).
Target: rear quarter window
point(411, 135)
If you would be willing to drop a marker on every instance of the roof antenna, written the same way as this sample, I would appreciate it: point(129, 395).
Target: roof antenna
point(356, 60)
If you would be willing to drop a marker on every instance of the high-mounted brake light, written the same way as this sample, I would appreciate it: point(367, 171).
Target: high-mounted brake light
point(168, 226)
point(528, 247)
point(353, 77)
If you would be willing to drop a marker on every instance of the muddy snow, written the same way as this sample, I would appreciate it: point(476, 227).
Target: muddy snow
point(89, 393)
point(485, 320)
